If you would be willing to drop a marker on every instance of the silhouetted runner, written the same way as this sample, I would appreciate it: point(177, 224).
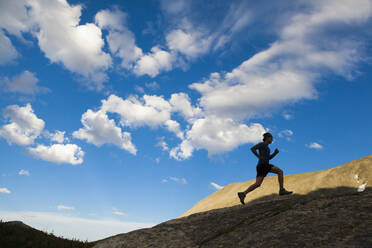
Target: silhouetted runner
point(264, 167)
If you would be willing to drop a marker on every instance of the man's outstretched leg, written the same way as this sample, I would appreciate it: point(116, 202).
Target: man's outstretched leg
point(254, 186)
point(279, 172)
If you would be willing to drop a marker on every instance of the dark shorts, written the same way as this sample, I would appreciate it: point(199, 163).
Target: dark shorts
point(263, 169)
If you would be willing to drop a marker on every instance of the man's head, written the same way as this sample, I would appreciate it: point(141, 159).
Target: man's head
point(268, 138)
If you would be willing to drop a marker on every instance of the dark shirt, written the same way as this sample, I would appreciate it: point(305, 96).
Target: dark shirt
point(264, 152)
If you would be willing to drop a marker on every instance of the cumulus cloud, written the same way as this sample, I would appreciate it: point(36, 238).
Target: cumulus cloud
point(287, 70)
point(99, 129)
point(191, 44)
point(24, 126)
point(25, 83)
point(5, 191)
point(120, 39)
point(153, 63)
point(216, 186)
point(24, 173)
point(8, 53)
point(212, 133)
point(150, 110)
point(216, 135)
point(58, 153)
point(58, 136)
point(55, 24)
point(62, 207)
point(181, 103)
point(14, 17)
point(315, 145)
point(63, 40)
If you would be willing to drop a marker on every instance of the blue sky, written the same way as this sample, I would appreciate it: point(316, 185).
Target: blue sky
point(121, 115)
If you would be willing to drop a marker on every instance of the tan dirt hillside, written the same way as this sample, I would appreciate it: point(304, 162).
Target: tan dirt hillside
point(353, 174)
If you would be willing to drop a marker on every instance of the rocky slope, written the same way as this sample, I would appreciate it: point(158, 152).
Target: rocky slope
point(340, 217)
point(355, 174)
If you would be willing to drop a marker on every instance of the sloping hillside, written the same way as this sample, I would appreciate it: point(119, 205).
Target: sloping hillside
point(353, 174)
point(338, 217)
point(15, 234)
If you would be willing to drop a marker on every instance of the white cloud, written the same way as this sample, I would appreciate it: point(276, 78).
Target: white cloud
point(212, 133)
point(73, 227)
point(24, 126)
point(315, 145)
point(99, 129)
point(181, 103)
point(55, 24)
point(8, 53)
point(286, 134)
point(24, 173)
point(173, 7)
point(236, 19)
point(139, 89)
point(63, 40)
point(119, 213)
point(153, 63)
point(5, 191)
point(287, 71)
point(152, 86)
point(178, 180)
point(58, 153)
point(216, 186)
point(243, 94)
point(14, 17)
point(163, 144)
point(62, 207)
point(174, 127)
point(287, 116)
point(189, 43)
point(182, 151)
point(120, 39)
point(58, 136)
point(25, 83)
point(150, 110)
point(216, 135)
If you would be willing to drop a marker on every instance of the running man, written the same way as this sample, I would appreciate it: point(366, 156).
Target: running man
point(264, 167)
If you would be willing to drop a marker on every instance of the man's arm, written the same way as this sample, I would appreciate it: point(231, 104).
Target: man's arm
point(254, 150)
point(274, 154)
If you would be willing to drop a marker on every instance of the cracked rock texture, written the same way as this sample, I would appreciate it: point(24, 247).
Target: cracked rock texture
point(335, 217)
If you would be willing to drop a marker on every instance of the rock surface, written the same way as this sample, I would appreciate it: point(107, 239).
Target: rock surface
point(338, 217)
point(355, 174)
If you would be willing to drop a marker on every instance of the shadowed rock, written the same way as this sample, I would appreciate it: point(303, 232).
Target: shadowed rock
point(354, 174)
point(338, 217)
